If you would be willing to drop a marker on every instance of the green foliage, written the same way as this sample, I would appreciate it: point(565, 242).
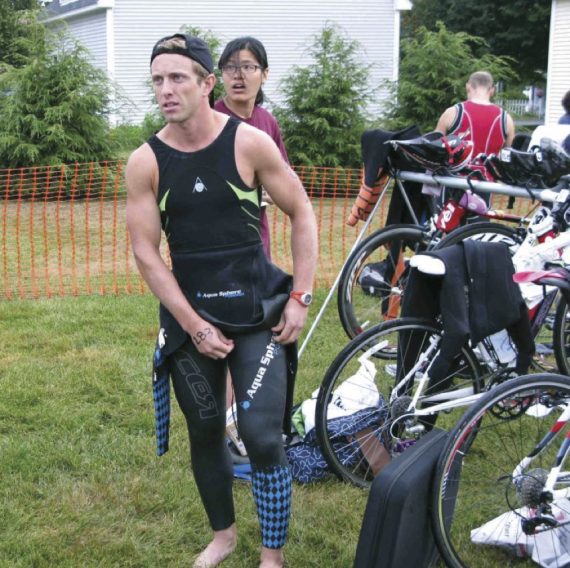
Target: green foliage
point(81, 486)
point(152, 123)
point(323, 115)
point(515, 28)
point(14, 19)
point(434, 68)
point(127, 137)
point(53, 109)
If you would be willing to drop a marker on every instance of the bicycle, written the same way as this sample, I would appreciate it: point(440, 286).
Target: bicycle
point(373, 277)
point(500, 479)
point(383, 258)
point(388, 367)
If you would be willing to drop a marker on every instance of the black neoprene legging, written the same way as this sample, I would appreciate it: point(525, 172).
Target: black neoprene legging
point(258, 368)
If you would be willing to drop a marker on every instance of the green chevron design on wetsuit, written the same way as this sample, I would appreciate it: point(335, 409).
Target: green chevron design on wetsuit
point(162, 204)
point(255, 229)
point(242, 195)
point(253, 197)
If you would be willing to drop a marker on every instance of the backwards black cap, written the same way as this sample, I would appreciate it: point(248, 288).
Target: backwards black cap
point(194, 48)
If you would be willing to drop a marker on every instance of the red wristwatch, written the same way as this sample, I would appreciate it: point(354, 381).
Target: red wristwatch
point(304, 298)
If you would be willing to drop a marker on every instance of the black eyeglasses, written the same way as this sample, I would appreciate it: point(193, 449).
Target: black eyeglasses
point(246, 68)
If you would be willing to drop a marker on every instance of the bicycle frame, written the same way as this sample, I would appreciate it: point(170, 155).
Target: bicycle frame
point(556, 474)
point(452, 214)
point(419, 373)
point(463, 397)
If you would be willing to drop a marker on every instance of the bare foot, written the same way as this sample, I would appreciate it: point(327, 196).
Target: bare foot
point(271, 558)
point(222, 545)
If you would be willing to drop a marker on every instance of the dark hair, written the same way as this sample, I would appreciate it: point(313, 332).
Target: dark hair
point(253, 45)
point(566, 102)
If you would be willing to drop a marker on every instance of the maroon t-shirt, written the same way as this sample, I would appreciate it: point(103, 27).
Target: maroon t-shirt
point(264, 120)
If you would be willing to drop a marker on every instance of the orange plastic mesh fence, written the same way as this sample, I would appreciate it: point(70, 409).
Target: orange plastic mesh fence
point(63, 230)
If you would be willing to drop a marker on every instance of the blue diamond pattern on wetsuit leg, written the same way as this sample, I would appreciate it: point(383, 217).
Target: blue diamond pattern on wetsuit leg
point(161, 396)
point(272, 493)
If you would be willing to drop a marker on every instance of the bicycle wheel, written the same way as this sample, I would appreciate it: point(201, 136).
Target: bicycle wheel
point(482, 231)
point(373, 278)
point(487, 489)
point(561, 337)
point(361, 420)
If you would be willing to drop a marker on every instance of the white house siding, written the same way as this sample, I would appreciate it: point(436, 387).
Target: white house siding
point(285, 28)
point(558, 60)
point(91, 31)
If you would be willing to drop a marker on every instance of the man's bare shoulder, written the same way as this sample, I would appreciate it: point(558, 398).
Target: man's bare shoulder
point(142, 161)
point(142, 169)
point(248, 134)
point(446, 120)
point(256, 144)
point(142, 155)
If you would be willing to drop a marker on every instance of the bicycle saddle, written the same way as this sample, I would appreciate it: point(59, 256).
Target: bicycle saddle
point(558, 276)
point(434, 151)
point(428, 264)
point(539, 276)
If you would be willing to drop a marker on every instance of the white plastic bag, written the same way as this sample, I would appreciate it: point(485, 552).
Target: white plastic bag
point(231, 430)
point(549, 549)
point(358, 391)
point(355, 393)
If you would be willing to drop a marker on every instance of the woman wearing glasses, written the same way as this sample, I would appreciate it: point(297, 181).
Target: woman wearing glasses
point(244, 68)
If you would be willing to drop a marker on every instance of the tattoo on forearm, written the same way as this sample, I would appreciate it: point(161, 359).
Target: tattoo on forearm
point(201, 336)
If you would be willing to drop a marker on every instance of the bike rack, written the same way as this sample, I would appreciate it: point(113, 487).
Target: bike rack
point(433, 180)
point(463, 183)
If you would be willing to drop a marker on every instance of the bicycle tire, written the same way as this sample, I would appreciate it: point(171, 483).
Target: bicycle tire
point(360, 307)
point(487, 231)
point(376, 433)
point(476, 480)
point(561, 336)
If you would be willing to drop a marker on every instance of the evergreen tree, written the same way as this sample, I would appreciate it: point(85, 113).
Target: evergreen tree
point(53, 109)
point(14, 18)
point(514, 28)
point(323, 116)
point(434, 68)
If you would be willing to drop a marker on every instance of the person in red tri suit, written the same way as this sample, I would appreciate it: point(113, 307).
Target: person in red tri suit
point(478, 119)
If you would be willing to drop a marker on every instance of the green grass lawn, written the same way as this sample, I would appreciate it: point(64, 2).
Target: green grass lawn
point(80, 482)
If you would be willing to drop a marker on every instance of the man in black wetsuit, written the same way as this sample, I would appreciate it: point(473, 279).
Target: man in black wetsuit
point(223, 304)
